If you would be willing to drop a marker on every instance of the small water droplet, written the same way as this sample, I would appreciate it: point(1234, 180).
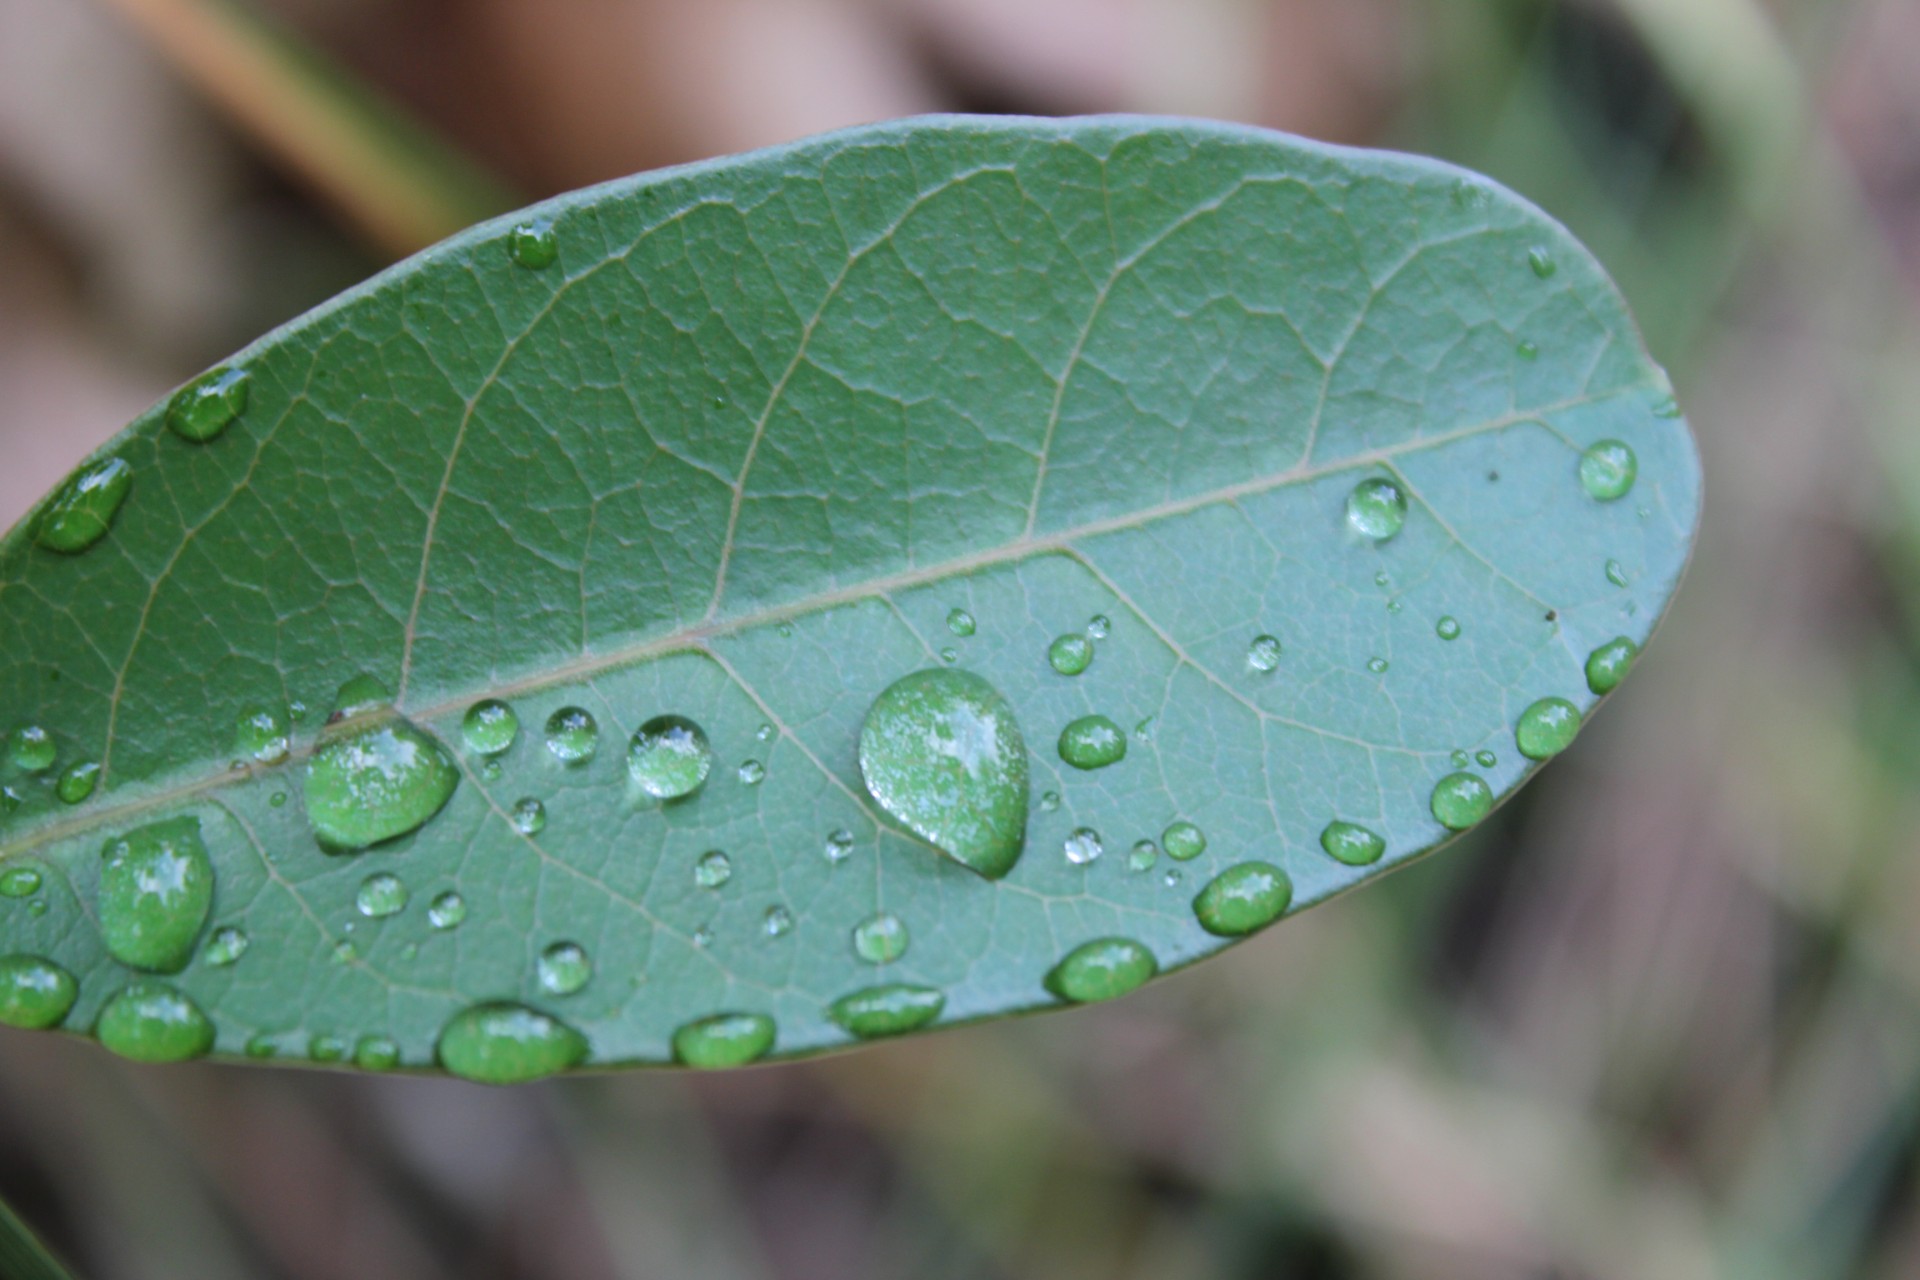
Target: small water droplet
point(1666, 407)
point(703, 936)
point(1351, 843)
point(1546, 728)
point(151, 1022)
point(1608, 665)
point(1145, 853)
point(1395, 606)
point(1143, 732)
point(208, 405)
point(777, 923)
point(1243, 899)
point(887, 1011)
point(764, 733)
point(573, 736)
point(325, 1046)
point(376, 1053)
point(410, 952)
point(226, 946)
point(1542, 262)
point(1101, 970)
point(1377, 509)
point(1049, 801)
point(941, 752)
point(297, 711)
point(1616, 574)
point(881, 939)
point(1378, 666)
point(260, 1047)
point(724, 1040)
point(508, 1044)
point(960, 622)
point(262, 735)
point(533, 244)
point(32, 749)
point(375, 776)
point(1070, 654)
point(344, 952)
point(19, 882)
point(565, 969)
point(949, 655)
point(489, 727)
point(713, 869)
point(1092, 742)
point(1083, 846)
point(381, 894)
point(1381, 579)
point(81, 512)
point(529, 816)
point(156, 890)
point(839, 845)
point(1184, 841)
point(35, 993)
point(447, 911)
point(1263, 654)
point(1608, 470)
point(9, 800)
point(1172, 878)
point(1448, 628)
point(752, 773)
point(1099, 626)
point(784, 630)
point(669, 757)
point(1460, 800)
point(1485, 759)
point(277, 800)
point(1461, 759)
point(1526, 350)
point(77, 781)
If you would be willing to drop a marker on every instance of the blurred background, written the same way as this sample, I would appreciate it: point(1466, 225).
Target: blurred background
point(1660, 1018)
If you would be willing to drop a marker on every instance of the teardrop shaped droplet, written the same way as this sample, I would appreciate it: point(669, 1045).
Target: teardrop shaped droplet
point(489, 727)
point(35, 993)
point(533, 244)
point(1242, 899)
point(83, 510)
point(225, 947)
point(156, 889)
point(447, 911)
point(1083, 846)
point(565, 969)
point(1377, 509)
point(941, 752)
point(960, 622)
point(1608, 665)
point(1070, 654)
point(262, 735)
point(529, 816)
point(1460, 800)
point(374, 775)
point(881, 939)
point(572, 735)
point(152, 1022)
point(669, 757)
point(887, 1011)
point(503, 1043)
point(1351, 843)
point(381, 895)
point(1263, 655)
point(20, 882)
point(1101, 970)
point(1092, 742)
point(32, 749)
point(713, 870)
point(1608, 470)
point(208, 405)
point(77, 781)
point(724, 1040)
point(1183, 841)
point(1541, 260)
point(1546, 728)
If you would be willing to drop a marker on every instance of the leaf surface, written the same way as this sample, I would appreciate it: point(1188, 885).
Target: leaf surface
point(765, 436)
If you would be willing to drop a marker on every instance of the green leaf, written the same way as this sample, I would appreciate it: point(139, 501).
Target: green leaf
point(22, 1255)
point(1308, 453)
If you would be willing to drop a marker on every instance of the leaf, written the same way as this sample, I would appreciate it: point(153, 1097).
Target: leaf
point(22, 1255)
point(1284, 448)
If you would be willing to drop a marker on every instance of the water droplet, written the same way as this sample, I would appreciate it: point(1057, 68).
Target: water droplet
point(529, 816)
point(1099, 626)
point(949, 655)
point(1377, 665)
point(1546, 728)
point(1608, 665)
point(881, 939)
point(1377, 509)
point(508, 1044)
point(1172, 878)
point(533, 244)
point(1395, 606)
point(225, 947)
point(1381, 579)
point(374, 776)
point(344, 952)
point(156, 889)
point(960, 622)
point(1542, 262)
point(572, 735)
point(1143, 732)
point(9, 800)
point(1526, 350)
point(703, 936)
point(764, 733)
point(1083, 846)
point(1461, 759)
point(34, 993)
point(1101, 970)
point(1145, 854)
point(1092, 742)
point(381, 895)
point(1049, 801)
point(1485, 759)
point(777, 923)
point(80, 513)
point(151, 1022)
point(1460, 800)
point(941, 752)
point(839, 845)
point(1183, 841)
point(447, 911)
point(277, 799)
point(1264, 653)
point(785, 630)
point(325, 1046)
point(77, 781)
point(376, 1053)
point(19, 882)
point(262, 735)
point(752, 773)
point(1616, 574)
point(713, 869)
point(1242, 899)
point(1448, 628)
point(37, 908)
point(887, 1011)
point(565, 969)
point(32, 749)
point(724, 1040)
point(1351, 843)
point(206, 406)
point(669, 757)
point(489, 727)
point(260, 1046)
point(1666, 407)
point(1070, 654)
point(1608, 470)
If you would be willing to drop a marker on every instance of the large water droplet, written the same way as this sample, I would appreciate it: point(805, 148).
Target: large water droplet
point(381, 895)
point(1083, 846)
point(1546, 728)
point(724, 1040)
point(1351, 843)
point(1243, 898)
point(489, 727)
point(225, 947)
point(1263, 654)
point(34, 993)
point(508, 1044)
point(942, 753)
point(32, 749)
point(1101, 970)
point(881, 939)
point(565, 969)
point(1608, 469)
point(1092, 742)
point(208, 405)
point(533, 244)
point(262, 735)
point(713, 869)
point(156, 889)
point(529, 816)
point(669, 757)
point(77, 781)
point(960, 622)
point(374, 776)
point(1377, 508)
point(81, 512)
point(572, 735)
point(447, 911)
point(1608, 665)
point(1460, 800)
point(887, 1011)
point(1183, 841)
point(152, 1022)
point(1070, 654)
point(19, 882)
